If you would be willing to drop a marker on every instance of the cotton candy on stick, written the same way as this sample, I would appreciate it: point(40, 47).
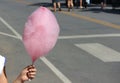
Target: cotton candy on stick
point(40, 33)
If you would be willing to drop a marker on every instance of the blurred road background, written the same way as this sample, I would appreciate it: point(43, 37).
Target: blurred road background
point(87, 51)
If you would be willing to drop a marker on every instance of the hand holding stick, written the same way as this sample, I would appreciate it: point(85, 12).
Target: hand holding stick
point(28, 73)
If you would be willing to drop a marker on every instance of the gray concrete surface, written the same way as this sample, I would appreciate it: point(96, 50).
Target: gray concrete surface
point(66, 63)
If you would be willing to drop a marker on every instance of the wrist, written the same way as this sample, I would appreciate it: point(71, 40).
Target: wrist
point(18, 80)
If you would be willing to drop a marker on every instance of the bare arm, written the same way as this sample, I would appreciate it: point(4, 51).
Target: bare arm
point(3, 78)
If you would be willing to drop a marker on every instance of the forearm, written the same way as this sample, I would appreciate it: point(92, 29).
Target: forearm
point(18, 80)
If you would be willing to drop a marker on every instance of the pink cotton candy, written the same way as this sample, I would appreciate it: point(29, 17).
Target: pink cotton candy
point(40, 33)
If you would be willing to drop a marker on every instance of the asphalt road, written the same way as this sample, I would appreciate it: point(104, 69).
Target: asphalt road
point(87, 51)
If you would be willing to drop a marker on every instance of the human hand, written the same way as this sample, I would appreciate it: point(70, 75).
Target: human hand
point(27, 73)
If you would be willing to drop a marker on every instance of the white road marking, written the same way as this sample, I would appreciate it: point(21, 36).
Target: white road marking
point(47, 62)
point(100, 51)
point(8, 35)
point(75, 36)
point(89, 36)
point(9, 27)
point(55, 70)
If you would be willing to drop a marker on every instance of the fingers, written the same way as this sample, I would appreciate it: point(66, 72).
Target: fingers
point(31, 75)
point(31, 71)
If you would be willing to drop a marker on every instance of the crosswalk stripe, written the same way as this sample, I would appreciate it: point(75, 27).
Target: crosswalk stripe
point(100, 51)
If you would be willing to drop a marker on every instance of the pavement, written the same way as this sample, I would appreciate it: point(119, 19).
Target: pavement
point(87, 50)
